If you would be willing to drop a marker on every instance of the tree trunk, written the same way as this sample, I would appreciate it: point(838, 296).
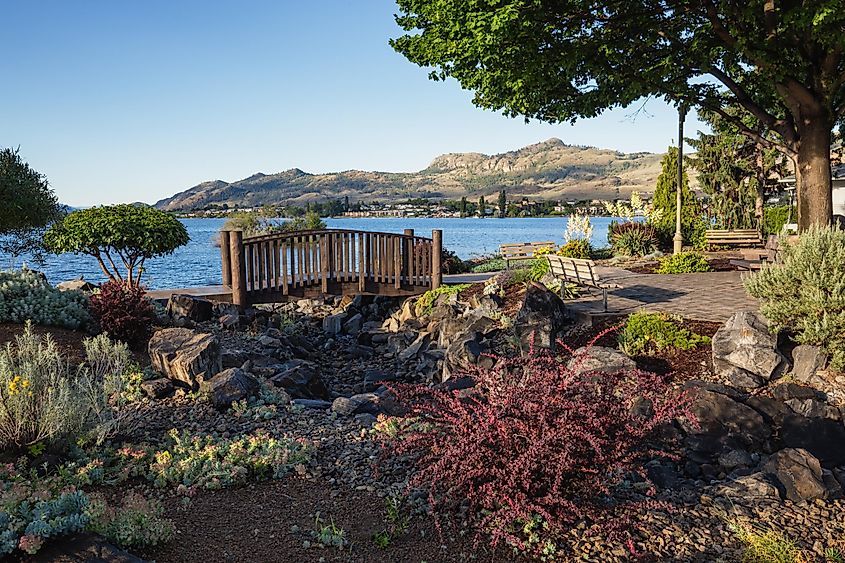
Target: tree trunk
point(760, 192)
point(812, 172)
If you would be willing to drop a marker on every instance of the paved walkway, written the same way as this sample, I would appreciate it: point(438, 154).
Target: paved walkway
point(712, 296)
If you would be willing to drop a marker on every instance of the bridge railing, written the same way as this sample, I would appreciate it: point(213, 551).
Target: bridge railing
point(273, 267)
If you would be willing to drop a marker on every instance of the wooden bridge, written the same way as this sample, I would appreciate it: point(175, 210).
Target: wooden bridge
point(275, 267)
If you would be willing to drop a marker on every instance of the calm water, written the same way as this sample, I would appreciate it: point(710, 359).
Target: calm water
point(198, 263)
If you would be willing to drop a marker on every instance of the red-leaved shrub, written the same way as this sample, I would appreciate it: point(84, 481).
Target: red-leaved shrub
point(123, 312)
point(536, 446)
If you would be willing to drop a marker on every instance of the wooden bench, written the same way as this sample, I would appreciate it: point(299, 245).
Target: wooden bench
point(733, 237)
point(522, 251)
point(754, 259)
point(579, 272)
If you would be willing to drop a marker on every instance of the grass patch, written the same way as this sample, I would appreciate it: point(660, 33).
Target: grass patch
point(766, 545)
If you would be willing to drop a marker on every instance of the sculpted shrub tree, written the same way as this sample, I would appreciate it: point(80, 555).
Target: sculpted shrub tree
point(782, 64)
point(120, 237)
point(29, 205)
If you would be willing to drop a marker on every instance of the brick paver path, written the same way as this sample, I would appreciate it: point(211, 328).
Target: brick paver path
point(712, 296)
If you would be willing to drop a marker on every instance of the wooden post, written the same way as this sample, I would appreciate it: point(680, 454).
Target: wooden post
point(397, 263)
point(225, 260)
point(324, 262)
point(436, 252)
point(238, 269)
point(362, 266)
point(407, 248)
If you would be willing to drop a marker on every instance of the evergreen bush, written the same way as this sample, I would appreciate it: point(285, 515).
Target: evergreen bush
point(576, 248)
point(25, 295)
point(664, 202)
point(649, 333)
point(683, 263)
point(774, 218)
point(805, 292)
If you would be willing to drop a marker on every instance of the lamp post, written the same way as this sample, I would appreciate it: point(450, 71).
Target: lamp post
point(678, 239)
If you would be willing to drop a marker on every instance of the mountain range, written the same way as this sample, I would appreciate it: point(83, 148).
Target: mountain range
point(550, 170)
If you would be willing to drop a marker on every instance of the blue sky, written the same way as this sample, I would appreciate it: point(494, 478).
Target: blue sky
point(134, 101)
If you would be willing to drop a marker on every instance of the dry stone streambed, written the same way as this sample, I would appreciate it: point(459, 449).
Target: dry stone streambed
point(767, 446)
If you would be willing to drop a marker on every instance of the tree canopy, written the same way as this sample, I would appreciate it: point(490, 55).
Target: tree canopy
point(126, 233)
point(781, 63)
point(29, 205)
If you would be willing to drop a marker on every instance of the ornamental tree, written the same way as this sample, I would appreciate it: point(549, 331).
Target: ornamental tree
point(118, 235)
point(781, 63)
point(29, 205)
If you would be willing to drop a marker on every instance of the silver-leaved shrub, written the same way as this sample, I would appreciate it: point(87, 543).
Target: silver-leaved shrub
point(27, 295)
point(805, 291)
point(45, 400)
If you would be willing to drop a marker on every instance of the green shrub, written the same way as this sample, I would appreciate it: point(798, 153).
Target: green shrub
point(43, 400)
point(491, 265)
point(632, 239)
point(450, 263)
point(805, 292)
point(649, 333)
point(25, 295)
point(136, 523)
point(683, 263)
point(774, 218)
point(425, 304)
point(576, 248)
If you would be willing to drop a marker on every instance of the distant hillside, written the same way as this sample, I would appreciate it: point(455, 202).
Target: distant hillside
point(548, 170)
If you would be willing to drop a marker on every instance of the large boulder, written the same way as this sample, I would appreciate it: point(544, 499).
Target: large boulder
point(301, 379)
point(540, 319)
point(189, 307)
point(466, 350)
point(78, 284)
point(599, 359)
point(822, 437)
point(185, 356)
point(723, 422)
point(229, 386)
point(745, 352)
point(83, 547)
point(798, 474)
point(806, 361)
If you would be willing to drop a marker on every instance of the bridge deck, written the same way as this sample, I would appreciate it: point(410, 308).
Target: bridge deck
point(223, 293)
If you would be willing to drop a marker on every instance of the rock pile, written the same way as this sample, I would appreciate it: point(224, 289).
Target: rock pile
point(773, 428)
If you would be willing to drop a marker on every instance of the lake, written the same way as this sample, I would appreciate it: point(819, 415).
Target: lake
point(198, 263)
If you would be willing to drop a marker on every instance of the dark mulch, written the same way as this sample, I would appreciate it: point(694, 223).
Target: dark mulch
point(684, 364)
point(69, 342)
point(271, 521)
point(718, 265)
